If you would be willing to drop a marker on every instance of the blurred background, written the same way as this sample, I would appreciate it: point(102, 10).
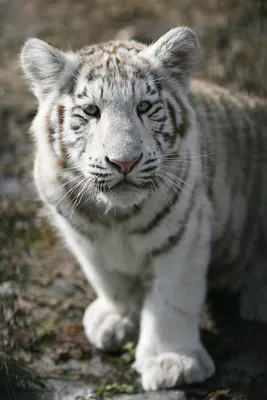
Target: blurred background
point(42, 290)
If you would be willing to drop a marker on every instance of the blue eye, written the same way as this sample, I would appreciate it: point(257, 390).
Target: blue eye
point(143, 107)
point(92, 110)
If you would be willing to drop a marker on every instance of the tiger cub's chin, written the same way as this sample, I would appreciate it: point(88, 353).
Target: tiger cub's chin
point(123, 198)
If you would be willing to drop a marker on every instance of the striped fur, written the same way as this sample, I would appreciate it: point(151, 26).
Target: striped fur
point(195, 198)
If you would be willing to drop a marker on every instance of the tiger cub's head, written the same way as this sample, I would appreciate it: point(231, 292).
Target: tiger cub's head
point(113, 113)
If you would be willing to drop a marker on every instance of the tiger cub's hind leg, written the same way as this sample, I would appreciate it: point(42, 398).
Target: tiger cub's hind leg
point(253, 296)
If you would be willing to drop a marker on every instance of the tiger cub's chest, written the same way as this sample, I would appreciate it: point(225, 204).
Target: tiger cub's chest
point(115, 248)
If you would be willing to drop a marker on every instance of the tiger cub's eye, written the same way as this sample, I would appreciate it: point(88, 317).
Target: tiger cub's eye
point(143, 107)
point(92, 110)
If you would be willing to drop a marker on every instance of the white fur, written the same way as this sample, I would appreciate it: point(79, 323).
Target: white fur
point(46, 67)
point(162, 293)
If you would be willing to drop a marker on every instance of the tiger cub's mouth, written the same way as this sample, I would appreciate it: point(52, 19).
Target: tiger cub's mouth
point(127, 185)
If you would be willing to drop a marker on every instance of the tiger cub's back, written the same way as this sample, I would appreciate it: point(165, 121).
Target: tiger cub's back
point(234, 156)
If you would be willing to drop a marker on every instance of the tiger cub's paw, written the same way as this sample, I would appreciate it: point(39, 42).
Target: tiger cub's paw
point(171, 369)
point(107, 329)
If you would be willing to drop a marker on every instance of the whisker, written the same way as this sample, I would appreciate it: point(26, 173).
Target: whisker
point(174, 180)
point(164, 178)
point(166, 192)
point(187, 169)
point(190, 155)
point(189, 161)
point(70, 191)
point(78, 200)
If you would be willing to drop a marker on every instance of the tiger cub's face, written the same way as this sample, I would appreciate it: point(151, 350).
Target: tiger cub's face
point(115, 111)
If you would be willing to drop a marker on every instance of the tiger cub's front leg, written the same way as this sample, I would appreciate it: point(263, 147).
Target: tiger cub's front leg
point(113, 318)
point(169, 351)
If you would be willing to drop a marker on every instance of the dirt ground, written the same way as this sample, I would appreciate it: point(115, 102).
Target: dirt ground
point(42, 290)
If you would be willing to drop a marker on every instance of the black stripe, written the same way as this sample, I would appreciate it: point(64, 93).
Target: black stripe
point(83, 211)
point(253, 215)
point(149, 169)
point(80, 116)
point(75, 127)
point(100, 174)
point(92, 75)
point(97, 166)
point(239, 134)
point(172, 114)
point(61, 164)
point(162, 119)
point(158, 143)
point(156, 82)
point(159, 132)
point(170, 137)
point(82, 94)
point(182, 128)
point(155, 111)
point(149, 161)
point(148, 87)
point(165, 211)
point(60, 117)
point(132, 213)
point(140, 117)
point(174, 239)
point(205, 119)
point(71, 83)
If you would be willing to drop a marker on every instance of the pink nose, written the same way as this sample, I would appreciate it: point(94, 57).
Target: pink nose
point(124, 166)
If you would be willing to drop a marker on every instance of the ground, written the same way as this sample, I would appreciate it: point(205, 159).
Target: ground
point(42, 290)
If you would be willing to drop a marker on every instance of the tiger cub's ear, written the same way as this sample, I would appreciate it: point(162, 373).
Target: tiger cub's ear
point(47, 69)
point(177, 50)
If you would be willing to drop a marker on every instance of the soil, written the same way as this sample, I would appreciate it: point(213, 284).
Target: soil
point(43, 293)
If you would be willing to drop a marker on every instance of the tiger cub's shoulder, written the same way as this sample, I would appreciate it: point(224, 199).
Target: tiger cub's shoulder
point(209, 91)
point(211, 98)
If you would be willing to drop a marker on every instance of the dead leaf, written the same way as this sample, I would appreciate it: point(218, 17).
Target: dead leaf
point(22, 304)
point(218, 392)
point(46, 326)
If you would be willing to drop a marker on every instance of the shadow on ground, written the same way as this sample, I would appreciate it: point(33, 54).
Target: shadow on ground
point(238, 347)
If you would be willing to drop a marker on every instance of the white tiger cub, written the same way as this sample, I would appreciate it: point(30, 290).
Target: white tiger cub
point(150, 177)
